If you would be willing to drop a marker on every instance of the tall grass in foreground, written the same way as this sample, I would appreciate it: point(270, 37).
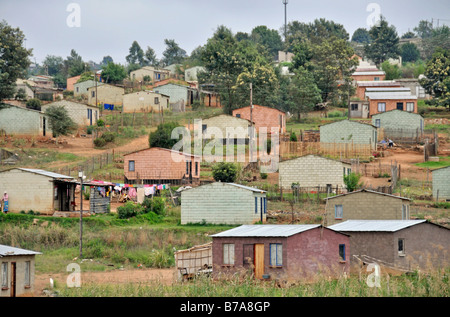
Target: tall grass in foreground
point(435, 284)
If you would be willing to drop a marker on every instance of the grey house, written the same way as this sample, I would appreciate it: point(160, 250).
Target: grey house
point(441, 183)
point(399, 123)
point(16, 271)
point(22, 121)
point(350, 132)
point(180, 95)
point(80, 89)
point(223, 203)
point(404, 245)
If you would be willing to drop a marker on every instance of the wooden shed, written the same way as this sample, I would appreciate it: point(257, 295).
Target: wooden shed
point(194, 261)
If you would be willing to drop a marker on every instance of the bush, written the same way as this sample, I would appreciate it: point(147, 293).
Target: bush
point(352, 181)
point(156, 205)
point(89, 129)
point(225, 172)
point(109, 136)
point(99, 142)
point(100, 123)
point(293, 137)
point(130, 209)
point(264, 175)
point(34, 104)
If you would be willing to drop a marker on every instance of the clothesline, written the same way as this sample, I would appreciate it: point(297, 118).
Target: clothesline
point(123, 185)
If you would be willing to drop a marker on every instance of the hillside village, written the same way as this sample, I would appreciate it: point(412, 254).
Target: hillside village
point(360, 175)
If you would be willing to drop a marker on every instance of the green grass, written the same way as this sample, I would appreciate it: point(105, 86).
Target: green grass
point(444, 161)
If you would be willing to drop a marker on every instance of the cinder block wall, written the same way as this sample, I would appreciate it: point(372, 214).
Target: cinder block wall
point(223, 122)
point(263, 117)
point(21, 288)
point(346, 131)
point(399, 120)
point(441, 182)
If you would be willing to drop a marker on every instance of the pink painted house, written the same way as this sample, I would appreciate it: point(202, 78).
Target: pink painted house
point(281, 251)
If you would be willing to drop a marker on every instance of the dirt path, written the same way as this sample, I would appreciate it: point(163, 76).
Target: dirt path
point(142, 276)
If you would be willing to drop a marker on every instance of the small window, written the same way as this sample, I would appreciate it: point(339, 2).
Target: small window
point(399, 105)
point(376, 78)
point(238, 115)
point(401, 246)
point(338, 212)
point(78, 89)
point(156, 100)
point(196, 168)
point(354, 107)
point(377, 123)
point(405, 212)
point(27, 273)
point(342, 252)
point(131, 166)
point(410, 106)
point(228, 254)
point(93, 94)
point(256, 205)
point(276, 254)
point(187, 167)
point(4, 274)
point(381, 107)
point(204, 127)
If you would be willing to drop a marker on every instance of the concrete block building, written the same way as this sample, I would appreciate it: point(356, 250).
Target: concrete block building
point(80, 113)
point(105, 94)
point(159, 165)
point(441, 183)
point(223, 203)
point(145, 101)
point(291, 252)
point(398, 121)
point(313, 171)
point(38, 190)
point(405, 245)
point(230, 127)
point(263, 117)
point(180, 95)
point(17, 271)
point(21, 121)
point(347, 131)
point(81, 89)
point(154, 74)
point(366, 204)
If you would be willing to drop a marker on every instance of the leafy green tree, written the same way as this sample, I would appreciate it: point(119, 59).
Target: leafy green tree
point(114, 73)
point(409, 35)
point(440, 38)
point(34, 104)
point(437, 79)
point(86, 76)
point(53, 65)
point(225, 172)
point(74, 64)
point(162, 137)
point(150, 57)
point(268, 38)
point(361, 35)
point(351, 181)
point(136, 55)
point(173, 54)
point(302, 56)
point(384, 43)
point(409, 52)
point(106, 60)
point(14, 59)
point(304, 92)
point(424, 29)
point(21, 94)
point(60, 121)
point(392, 70)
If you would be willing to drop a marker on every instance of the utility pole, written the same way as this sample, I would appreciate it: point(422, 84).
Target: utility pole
point(285, 2)
point(251, 122)
point(80, 175)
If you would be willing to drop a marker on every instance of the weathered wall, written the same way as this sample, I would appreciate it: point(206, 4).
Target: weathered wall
point(346, 131)
point(18, 121)
point(219, 203)
point(21, 288)
point(145, 101)
point(441, 182)
point(222, 122)
point(106, 94)
point(397, 119)
point(264, 117)
point(77, 111)
point(391, 104)
point(311, 170)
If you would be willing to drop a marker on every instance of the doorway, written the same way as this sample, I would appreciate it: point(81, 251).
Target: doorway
point(13, 279)
point(399, 105)
point(259, 260)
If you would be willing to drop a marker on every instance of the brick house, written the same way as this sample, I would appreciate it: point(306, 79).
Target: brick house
point(159, 165)
point(399, 123)
point(368, 74)
point(312, 171)
point(280, 251)
point(405, 245)
point(366, 204)
point(17, 271)
point(145, 101)
point(346, 131)
point(223, 203)
point(105, 94)
point(80, 113)
point(441, 183)
point(263, 117)
point(71, 81)
point(386, 99)
point(21, 121)
point(361, 86)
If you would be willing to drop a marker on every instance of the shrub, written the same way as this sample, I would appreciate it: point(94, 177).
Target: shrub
point(130, 209)
point(109, 136)
point(293, 137)
point(99, 142)
point(89, 129)
point(34, 104)
point(100, 123)
point(352, 181)
point(156, 205)
point(224, 172)
point(264, 175)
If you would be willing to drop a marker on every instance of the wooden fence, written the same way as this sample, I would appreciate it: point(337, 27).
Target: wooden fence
point(337, 150)
point(406, 136)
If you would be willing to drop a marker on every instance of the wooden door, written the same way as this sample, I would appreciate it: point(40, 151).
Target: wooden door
point(259, 260)
point(13, 279)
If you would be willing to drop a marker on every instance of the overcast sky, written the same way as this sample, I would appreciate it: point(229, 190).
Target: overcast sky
point(108, 27)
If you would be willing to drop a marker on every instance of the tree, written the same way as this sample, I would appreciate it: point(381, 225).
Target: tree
point(60, 121)
point(392, 70)
point(106, 60)
point(268, 38)
point(162, 137)
point(74, 64)
point(173, 53)
point(304, 92)
point(136, 55)
point(384, 43)
point(437, 79)
point(351, 181)
point(409, 35)
point(440, 38)
point(86, 76)
point(302, 56)
point(361, 35)
point(53, 65)
point(34, 104)
point(114, 73)
point(424, 29)
point(14, 59)
point(409, 52)
point(150, 57)
point(225, 172)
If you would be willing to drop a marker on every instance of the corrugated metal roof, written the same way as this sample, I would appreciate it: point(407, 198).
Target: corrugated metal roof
point(374, 225)
point(265, 230)
point(369, 73)
point(368, 191)
point(390, 96)
point(6, 250)
point(394, 89)
point(386, 83)
point(45, 173)
point(247, 187)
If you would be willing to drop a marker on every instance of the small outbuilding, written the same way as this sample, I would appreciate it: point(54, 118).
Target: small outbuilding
point(145, 101)
point(17, 271)
point(399, 123)
point(80, 113)
point(21, 121)
point(403, 245)
point(441, 183)
point(281, 251)
point(223, 203)
point(228, 127)
point(312, 171)
point(366, 204)
point(350, 132)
